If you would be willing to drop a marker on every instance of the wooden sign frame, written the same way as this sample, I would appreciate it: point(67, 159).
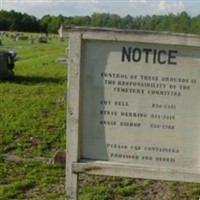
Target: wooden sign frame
point(76, 163)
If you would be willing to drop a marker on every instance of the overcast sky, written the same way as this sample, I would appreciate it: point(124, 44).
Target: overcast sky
point(40, 8)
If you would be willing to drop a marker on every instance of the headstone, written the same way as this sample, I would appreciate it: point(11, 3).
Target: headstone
point(21, 37)
point(6, 65)
point(61, 39)
point(3, 61)
point(31, 40)
point(61, 60)
point(42, 39)
point(133, 105)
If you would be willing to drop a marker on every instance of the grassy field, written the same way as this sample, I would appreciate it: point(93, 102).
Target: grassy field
point(33, 124)
point(33, 121)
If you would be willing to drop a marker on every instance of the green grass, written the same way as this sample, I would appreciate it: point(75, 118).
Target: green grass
point(33, 124)
point(33, 121)
point(33, 105)
point(22, 180)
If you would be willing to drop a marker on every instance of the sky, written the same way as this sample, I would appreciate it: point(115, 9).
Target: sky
point(39, 8)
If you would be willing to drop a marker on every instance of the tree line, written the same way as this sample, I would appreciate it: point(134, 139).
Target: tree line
point(182, 22)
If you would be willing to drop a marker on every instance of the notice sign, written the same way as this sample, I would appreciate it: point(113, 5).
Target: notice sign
point(138, 104)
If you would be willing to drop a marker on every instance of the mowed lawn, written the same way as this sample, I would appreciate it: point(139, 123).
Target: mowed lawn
point(33, 125)
point(33, 121)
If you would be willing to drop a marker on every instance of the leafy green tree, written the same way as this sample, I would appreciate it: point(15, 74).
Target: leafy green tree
point(100, 19)
point(44, 22)
point(29, 23)
point(127, 22)
point(54, 24)
point(114, 21)
point(182, 22)
point(195, 25)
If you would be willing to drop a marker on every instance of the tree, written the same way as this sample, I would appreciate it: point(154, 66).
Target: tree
point(195, 25)
point(44, 22)
point(29, 23)
point(127, 22)
point(54, 24)
point(182, 22)
point(99, 20)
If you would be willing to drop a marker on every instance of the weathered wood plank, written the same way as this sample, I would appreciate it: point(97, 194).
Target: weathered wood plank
point(137, 171)
point(73, 115)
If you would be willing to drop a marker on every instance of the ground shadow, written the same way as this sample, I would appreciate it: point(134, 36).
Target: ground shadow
point(31, 80)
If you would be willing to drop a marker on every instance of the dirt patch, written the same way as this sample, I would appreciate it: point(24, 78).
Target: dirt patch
point(157, 191)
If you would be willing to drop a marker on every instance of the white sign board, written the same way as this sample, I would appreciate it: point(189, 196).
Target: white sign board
point(134, 105)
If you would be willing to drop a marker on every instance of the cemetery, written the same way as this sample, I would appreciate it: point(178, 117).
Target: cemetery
point(133, 91)
point(33, 117)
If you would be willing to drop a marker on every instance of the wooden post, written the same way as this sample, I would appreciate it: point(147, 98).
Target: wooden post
point(73, 116)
